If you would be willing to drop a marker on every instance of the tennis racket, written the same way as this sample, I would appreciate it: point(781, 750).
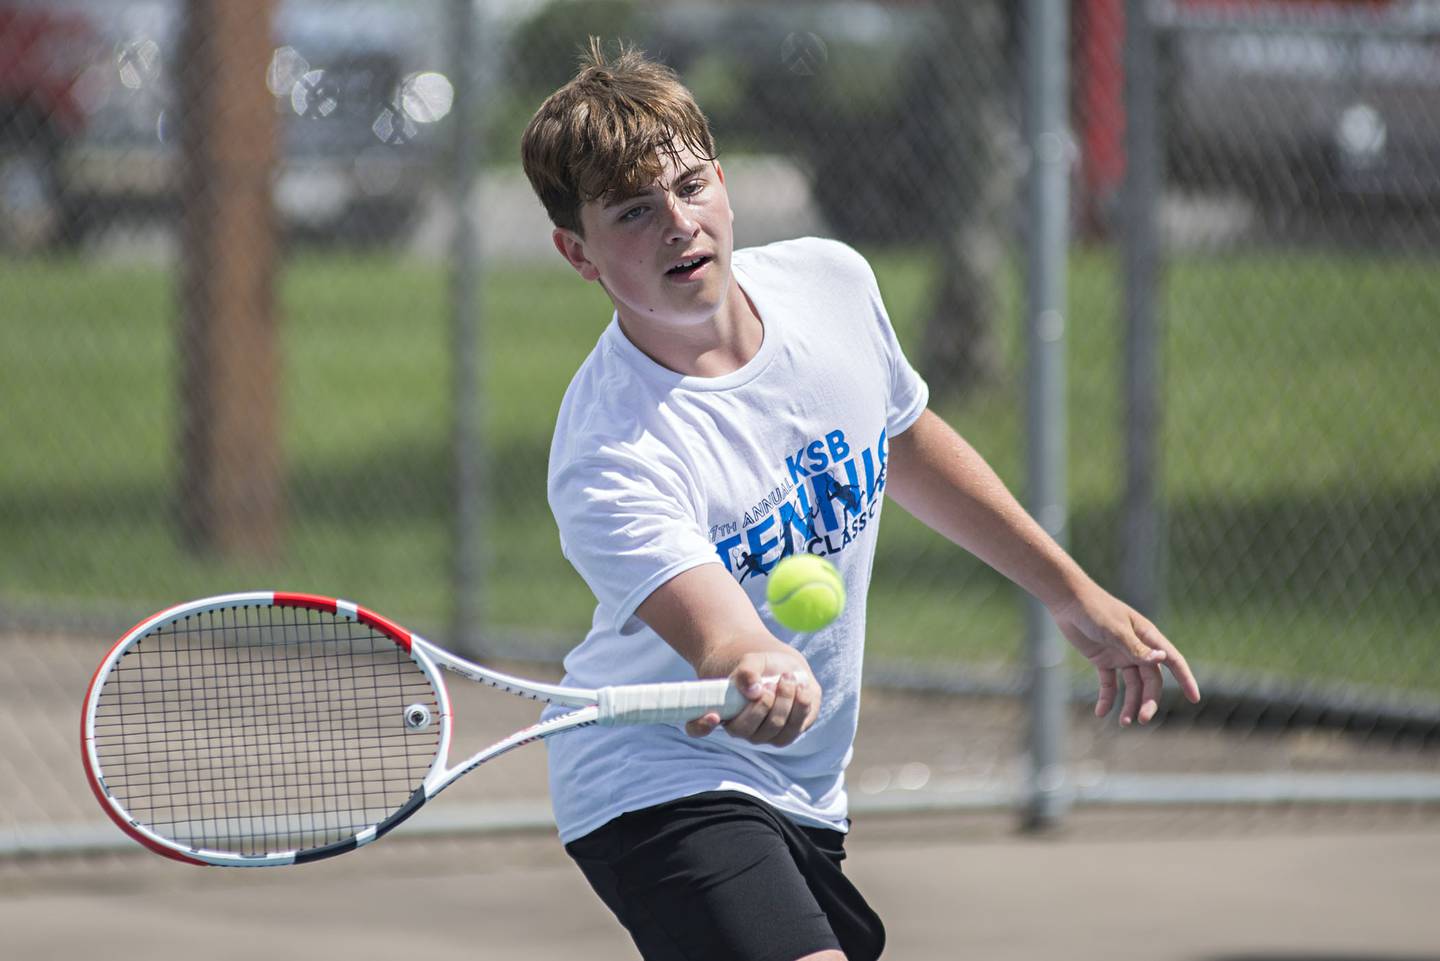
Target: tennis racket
point(262, 729)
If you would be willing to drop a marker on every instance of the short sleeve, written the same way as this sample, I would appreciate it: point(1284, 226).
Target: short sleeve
point(627, 525)
point(909, 394)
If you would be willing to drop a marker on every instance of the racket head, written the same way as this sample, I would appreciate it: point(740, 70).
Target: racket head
point(263, 728)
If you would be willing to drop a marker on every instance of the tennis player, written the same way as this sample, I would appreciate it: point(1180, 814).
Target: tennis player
point(741, 406)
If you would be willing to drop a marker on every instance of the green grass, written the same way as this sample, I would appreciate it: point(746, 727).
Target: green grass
point(1301, 438)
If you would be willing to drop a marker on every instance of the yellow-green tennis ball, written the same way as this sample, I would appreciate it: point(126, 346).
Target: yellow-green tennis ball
point(805, 592)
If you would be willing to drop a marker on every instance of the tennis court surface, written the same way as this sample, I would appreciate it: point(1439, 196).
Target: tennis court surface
point(1234, 887)
point(1338, 882)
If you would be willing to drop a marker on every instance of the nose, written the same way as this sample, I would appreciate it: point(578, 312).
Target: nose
point(680, 224)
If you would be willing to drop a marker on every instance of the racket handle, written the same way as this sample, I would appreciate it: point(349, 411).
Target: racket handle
point(672, 703)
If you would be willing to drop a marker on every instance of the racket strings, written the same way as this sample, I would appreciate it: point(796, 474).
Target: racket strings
point(257, 729)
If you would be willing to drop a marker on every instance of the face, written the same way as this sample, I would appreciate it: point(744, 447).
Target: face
point(662, 255)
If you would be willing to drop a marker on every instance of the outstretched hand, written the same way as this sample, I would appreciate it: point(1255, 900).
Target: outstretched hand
point(1122, 644)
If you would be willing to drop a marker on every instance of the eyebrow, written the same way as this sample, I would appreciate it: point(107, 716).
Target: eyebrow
point(679, 178)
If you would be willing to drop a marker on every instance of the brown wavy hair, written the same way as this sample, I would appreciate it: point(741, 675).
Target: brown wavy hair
point(604, 134)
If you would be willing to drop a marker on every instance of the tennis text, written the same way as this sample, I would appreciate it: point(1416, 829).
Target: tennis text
point(830, 494)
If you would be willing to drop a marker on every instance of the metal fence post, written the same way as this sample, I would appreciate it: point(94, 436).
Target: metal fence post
point(1141, 557)
point(1047, 202)
point(465, 274)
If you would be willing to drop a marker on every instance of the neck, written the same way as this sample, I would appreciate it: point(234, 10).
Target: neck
point(714, 347)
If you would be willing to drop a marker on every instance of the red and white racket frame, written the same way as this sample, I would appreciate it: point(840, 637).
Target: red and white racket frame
point(667, 703)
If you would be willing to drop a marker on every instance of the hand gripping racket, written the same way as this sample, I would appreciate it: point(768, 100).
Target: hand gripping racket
point(262, 729)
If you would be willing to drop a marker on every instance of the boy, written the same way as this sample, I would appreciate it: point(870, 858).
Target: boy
point(742, 406)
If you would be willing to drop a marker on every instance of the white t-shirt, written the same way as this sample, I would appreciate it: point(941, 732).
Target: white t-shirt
point(653, 473)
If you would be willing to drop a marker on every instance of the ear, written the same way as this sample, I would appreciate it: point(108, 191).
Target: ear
point(720, 173)
point(572, 247)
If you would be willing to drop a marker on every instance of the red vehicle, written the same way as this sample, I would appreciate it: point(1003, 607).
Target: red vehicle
point(43, 58)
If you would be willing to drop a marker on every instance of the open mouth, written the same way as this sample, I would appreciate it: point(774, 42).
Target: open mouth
point(689, 268)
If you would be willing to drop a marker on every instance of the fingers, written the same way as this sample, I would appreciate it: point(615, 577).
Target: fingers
point(1138, 647)
point(1108, 688)
point(1143, 685)
point(1151, 684)
point(703, 726)
point(780, 714)
point(1143, 681)
point(750, 677)
point(1174, 661)
point(1131, 705)
point(803, 711)
point(1141, 701)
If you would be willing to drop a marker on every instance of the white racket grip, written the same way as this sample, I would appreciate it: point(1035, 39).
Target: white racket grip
point(672, 703)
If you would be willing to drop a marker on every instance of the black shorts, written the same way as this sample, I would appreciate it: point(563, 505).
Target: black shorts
point(721, 875)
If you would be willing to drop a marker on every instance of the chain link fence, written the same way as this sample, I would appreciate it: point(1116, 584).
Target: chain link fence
point(1299, 338)
point(231, 296)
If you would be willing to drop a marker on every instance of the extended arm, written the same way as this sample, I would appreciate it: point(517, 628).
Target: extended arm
point(938, 477)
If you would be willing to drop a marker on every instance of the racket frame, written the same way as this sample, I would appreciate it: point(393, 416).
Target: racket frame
point(651, 703)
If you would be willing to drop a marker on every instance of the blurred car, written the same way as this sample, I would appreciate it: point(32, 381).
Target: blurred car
point(1310, 103)
point(868, 97)
point(356, 85)
point(862, 93)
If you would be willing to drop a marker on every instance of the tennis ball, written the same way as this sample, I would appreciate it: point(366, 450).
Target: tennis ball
point(805, 592)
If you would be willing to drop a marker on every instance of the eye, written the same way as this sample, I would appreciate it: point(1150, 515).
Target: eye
point(691, 188)
point(633, 213)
